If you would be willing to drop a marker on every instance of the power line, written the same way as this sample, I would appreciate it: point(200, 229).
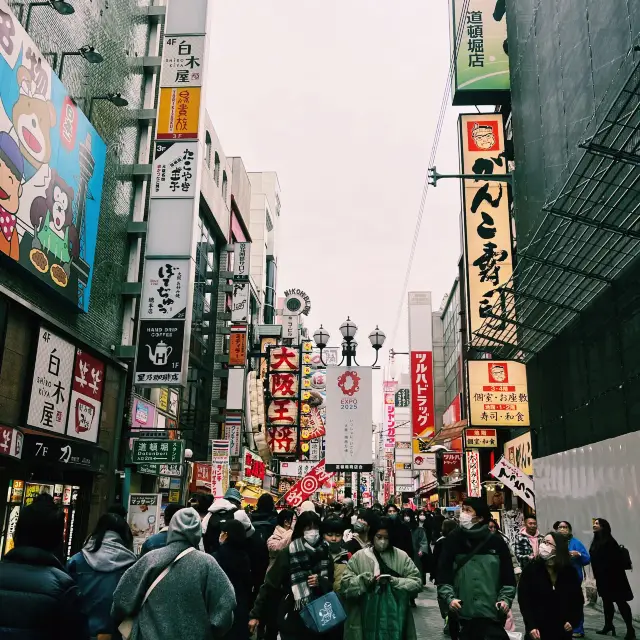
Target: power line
point(434, 150)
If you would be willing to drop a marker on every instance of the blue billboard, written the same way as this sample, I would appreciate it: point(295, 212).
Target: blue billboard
point(51, 170)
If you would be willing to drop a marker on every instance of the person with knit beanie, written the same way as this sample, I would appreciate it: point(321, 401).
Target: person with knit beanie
point(475, 575)
point(194, 600)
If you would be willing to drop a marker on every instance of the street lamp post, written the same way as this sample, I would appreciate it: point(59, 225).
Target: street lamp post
point(348, 329)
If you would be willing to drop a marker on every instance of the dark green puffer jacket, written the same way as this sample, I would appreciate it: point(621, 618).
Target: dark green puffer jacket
point(486, 579)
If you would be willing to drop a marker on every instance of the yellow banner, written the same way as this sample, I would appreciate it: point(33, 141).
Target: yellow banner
point(178, 113)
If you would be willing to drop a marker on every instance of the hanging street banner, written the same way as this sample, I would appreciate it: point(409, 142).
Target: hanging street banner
point(157, 451)
point(498, 393)
point(481, 73)
point(219, 468)
point(421, 364)
point(389, 417)
point(307, 486)
point(487, 226)
point(481, 438)
point(518, 452)
point(349, 418)
point(173, 170)
point(51, 391)
point(474, 482)
point(240, 302)
point(518, 481)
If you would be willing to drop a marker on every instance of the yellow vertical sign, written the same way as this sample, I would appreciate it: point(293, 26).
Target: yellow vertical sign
point(178, 113)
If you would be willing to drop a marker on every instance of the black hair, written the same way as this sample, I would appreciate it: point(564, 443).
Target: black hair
point(368, 516)
point(332, 525)
point(493, 521)
point(201, 503)
point(383, 523)
point(170, 511)
point(480, 507)
point(265, 503)
point(118, 509)
point(603, 536)
point(605, 527)
point(286, 515)
point(391, 506)
point(305, 519)
point(567, 523)
point(376, 505)
point(111, 522)
point(236, 534)
point(447, 527)
point(531, 517)
point(437, 512)
point(556, 524)
point(408, 513)
point(562, 558)
point(41, 525)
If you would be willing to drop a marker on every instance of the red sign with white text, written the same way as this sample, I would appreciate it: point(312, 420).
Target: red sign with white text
point(422, 399)
point(307, 486)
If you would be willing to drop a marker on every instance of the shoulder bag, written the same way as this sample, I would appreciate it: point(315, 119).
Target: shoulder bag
point(126, 626)
point(473, 552)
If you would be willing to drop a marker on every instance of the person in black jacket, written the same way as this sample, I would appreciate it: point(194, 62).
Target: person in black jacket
point(265, 518)
point(401, 537)
point(609, 569)
point(550, 593)
point(257, 552)
point(234, 561)
point(38, 599)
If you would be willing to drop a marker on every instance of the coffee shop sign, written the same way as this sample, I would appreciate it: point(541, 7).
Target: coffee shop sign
point(297, 301)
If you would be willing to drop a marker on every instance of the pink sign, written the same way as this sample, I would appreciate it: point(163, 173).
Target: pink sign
point(86, 397)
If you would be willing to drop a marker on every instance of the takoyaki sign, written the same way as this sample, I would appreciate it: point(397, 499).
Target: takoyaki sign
point(52, 165)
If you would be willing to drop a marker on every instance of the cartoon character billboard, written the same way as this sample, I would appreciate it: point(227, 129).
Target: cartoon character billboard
point(51, 170)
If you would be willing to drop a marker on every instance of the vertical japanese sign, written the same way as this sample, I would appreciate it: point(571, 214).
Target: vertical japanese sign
point(86, 397)
point(219, 468)
point(482, 65)
point(421, 367)
point(238, 346)
point(498, 393)
point(349, 417)
point(166, 308)
point(389, 425)
point(283, 410)
point(518, 453)
point(51, 391)
point(474, 483)
point(487, 229)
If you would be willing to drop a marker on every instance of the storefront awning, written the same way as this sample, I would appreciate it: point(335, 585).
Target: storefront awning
point(450, 432)
point(587, 235)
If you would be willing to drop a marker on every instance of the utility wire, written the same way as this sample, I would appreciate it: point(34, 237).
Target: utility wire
point(434, 150)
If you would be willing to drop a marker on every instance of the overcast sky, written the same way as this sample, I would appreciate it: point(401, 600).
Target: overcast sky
point(341, 99)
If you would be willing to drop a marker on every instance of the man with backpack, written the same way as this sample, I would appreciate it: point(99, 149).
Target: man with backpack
point(475, 575)
point(265, 518)
point(220, 511)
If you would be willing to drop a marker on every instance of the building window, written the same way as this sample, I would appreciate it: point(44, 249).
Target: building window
point(269, 221)
point(224, 185)
point(277, 205)
point(207, 149)
point(216, 169)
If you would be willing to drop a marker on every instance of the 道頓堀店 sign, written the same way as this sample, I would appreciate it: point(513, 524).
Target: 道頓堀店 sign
point(498, 394)
point(488, 251)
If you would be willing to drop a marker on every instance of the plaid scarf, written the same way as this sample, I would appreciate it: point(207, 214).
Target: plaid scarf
point(305, 561)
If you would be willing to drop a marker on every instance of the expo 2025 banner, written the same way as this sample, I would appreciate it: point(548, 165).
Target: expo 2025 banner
point(51, 170)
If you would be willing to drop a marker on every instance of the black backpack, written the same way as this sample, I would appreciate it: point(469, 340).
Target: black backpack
point(626, 558)
point(264, 530)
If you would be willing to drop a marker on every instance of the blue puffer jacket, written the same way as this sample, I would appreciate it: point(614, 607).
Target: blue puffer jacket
point(97, 574)
point(156, 541)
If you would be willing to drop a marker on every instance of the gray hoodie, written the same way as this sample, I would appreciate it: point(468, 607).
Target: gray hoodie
point(111, 556)
point(195, 600)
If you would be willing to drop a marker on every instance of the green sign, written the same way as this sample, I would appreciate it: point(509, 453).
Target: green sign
point(158, 451)
point(482, 66)
point(403, 398)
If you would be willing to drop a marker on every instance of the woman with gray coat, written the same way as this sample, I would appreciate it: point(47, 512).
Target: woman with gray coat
point(194, 600)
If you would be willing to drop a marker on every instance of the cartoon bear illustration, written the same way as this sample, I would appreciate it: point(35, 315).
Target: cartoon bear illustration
point(55, 237)
point(33, 118)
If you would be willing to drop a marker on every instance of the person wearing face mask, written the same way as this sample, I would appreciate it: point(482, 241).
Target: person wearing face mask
point(234, 561)
point(400, 533)
point(368, 574)
point(475, 575)
point(360, 538)
point(549, 593)
point(579, 559)
point(302, 572)
point(281, 537)
point(332, 531)
point(421, 547)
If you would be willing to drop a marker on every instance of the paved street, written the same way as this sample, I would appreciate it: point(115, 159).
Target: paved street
point(429, 623)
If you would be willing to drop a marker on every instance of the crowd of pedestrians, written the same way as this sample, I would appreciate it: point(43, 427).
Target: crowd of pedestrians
point(216, 571)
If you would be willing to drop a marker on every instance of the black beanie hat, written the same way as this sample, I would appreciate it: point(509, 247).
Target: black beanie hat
point(481, 508)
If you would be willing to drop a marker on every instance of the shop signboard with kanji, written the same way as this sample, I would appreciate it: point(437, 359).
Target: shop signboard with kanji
point(238, 346)
point(451, 463)
point(240, 302)
point(182, 60)
point(389, 390)
point(516, 479)
point(143, 517)
point(87, 388)
point(157, 451)
point(307, 486)
point(241, 261)
point(173, 170)
point(498, 393)
point(178, 113)
point(11, 440)
point(518, 452)
point(164, 294)
point(143, 414)
point(254, 468)
point(349, 418)
point(487, 227)
point(219, 468)
point(159, 353)
point(51, 390)
point(481, 438)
